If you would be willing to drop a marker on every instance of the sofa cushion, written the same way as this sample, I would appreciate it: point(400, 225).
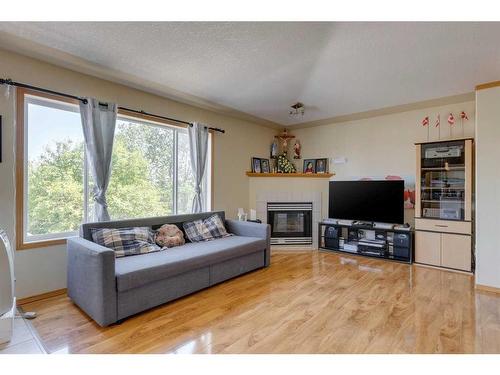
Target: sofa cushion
point(126, 241)
point(133, 272)
point(205, 229)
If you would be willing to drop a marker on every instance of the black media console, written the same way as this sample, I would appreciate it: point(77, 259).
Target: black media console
point(365, 239)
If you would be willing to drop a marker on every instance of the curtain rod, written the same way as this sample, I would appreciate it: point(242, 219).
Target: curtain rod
point(10, 82)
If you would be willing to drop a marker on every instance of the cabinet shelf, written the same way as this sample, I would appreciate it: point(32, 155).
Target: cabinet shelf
point(442, 169)
point(442, 188)
point(442, 201)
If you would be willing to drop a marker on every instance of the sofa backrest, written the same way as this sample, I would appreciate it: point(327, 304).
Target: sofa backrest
point(152, 222)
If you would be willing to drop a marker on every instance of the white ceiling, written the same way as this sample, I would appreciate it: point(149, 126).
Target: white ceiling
point(261, 68)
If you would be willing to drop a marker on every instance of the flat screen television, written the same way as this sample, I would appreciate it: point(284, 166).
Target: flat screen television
point(377, 201)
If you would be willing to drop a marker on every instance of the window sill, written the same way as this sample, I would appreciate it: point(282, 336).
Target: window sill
point(39, 244)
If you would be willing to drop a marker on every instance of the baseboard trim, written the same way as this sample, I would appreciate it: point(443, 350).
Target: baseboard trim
point(39, 297)
point(454, 270)
point(486, 288)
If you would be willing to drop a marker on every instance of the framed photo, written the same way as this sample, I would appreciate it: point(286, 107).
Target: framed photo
point(309, 166)
point(256, 167)
point(321, 165)
point(264, 166)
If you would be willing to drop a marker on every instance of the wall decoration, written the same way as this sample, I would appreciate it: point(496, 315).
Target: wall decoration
point(463, 117)
point(451, 121)
point(264, 166)
point(322, 165)
point(425, 122)
point(309, 166)
point(0, 139)
point(285, 165)
point(296, 150)
point(438, 122)
point(256, 167)
point(284, 137)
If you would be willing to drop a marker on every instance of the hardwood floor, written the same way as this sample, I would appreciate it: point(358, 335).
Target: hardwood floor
point(306, 302)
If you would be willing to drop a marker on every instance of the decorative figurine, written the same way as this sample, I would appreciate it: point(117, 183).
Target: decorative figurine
point(463, 117)
point(284, 137)
point(274, 150)
point(296, 150)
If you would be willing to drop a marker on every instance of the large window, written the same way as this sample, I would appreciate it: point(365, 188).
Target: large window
point(151, 173)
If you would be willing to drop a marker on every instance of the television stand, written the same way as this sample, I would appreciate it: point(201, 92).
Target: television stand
point(366, 239)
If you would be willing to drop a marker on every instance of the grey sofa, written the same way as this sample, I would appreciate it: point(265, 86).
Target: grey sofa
point(110, 289)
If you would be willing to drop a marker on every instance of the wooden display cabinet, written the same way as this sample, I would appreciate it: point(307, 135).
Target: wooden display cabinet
point(443, 204)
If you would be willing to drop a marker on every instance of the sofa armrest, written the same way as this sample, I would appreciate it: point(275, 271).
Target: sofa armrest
point(250, 229)
point(92, 280)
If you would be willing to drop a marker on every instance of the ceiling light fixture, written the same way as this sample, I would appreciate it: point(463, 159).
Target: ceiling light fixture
point(297, 109)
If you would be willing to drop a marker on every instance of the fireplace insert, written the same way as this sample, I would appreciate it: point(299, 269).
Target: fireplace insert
point(291, 223)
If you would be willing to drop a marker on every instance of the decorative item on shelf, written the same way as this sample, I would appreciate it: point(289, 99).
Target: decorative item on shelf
point(425, 122)
point(309, 166)
point(438, 122)
point(296, 150)
point(322, 165)
point(242, 215)
point(285, 165)
point(451, 121)
point(274, 150)
point(256, 167)
point(463, 116)
point(264, 166)
point(260, 165)
point(284, 137)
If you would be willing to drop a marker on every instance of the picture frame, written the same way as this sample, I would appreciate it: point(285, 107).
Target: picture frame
point(309, 166)
point(322, 165)
point(265, 166)
point(256, 166)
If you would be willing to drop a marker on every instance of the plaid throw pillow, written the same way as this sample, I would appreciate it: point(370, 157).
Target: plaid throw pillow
point(205, 230)
point(126, 241)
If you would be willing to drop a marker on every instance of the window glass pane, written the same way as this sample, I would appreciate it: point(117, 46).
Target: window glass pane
point(142, 171)
point(185, 178)
point(54, 168)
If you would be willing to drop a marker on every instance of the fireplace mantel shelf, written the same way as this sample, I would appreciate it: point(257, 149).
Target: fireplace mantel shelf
point(307, 175)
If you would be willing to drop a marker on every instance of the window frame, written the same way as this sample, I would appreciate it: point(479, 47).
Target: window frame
point(21, 157)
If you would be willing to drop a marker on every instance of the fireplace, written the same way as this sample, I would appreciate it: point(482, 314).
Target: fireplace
point(291, 223)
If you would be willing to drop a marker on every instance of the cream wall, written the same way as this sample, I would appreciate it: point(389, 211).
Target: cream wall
point(382, 145)
point(488, 187)
point(44, 269)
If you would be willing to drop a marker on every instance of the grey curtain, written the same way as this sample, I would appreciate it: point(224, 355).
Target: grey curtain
point(99, 121)
point(198, 147)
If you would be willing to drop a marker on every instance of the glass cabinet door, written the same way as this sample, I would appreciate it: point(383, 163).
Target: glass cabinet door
point(443, 180)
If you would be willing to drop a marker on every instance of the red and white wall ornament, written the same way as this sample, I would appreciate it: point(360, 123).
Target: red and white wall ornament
point(451, 121)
